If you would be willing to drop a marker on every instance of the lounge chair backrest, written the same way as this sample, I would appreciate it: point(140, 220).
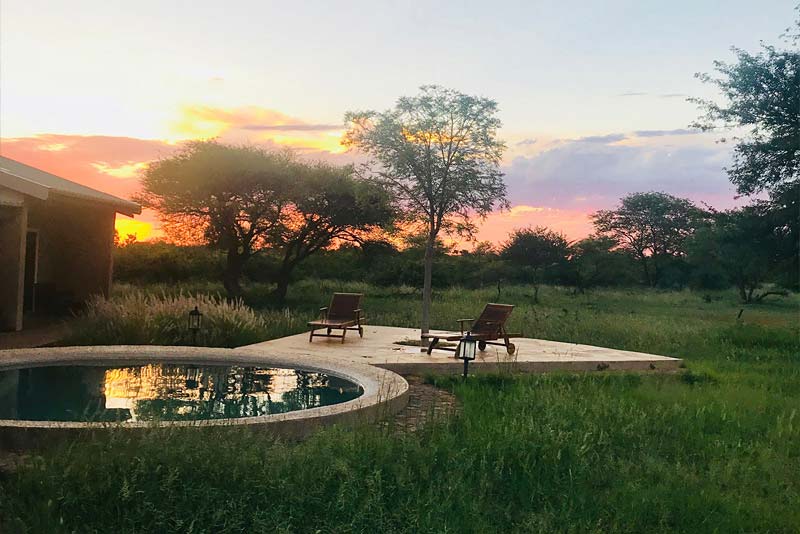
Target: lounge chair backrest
point(343, 305)
point(492, 318)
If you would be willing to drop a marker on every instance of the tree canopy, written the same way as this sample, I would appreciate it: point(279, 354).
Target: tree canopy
point(535, 250)
point(761, 95)
point(328, 204)
point(438, 155)
point(245, 199)
point(652, 226)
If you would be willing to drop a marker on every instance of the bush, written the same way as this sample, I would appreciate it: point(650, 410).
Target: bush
point(164, 262)
point(137, 318)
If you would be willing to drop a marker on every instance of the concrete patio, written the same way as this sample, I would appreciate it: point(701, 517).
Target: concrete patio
point(380, 347)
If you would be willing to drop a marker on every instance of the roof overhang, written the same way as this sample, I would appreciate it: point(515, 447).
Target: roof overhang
point(13, 178)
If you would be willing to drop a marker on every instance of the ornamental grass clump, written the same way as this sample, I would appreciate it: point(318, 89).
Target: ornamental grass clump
point(138, 318)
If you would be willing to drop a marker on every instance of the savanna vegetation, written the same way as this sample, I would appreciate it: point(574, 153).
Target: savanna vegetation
point(710, 448)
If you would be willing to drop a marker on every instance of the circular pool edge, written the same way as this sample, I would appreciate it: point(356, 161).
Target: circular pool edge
point(385, 392)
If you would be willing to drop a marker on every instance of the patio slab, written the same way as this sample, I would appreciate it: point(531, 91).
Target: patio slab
point(380, 347)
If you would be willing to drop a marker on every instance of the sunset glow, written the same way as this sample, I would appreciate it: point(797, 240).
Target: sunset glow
point(82, 97)
point(143, 230)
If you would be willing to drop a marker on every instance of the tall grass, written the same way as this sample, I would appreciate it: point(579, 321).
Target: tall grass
point(554, 453)
point(139, 318)
point(711, 449)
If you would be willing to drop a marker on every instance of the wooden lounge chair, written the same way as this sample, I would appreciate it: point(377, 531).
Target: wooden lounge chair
point(489, 329)
point(343, 313)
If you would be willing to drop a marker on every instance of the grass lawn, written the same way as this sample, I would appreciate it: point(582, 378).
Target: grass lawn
point(715, 448)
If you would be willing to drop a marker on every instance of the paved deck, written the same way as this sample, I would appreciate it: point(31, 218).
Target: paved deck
point(37, 333)
point(379, 347)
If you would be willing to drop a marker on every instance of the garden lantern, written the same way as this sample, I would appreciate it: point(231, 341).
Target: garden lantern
point(466, 350)
point(195, 322)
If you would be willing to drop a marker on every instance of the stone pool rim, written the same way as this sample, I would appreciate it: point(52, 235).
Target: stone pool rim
point(385, 392)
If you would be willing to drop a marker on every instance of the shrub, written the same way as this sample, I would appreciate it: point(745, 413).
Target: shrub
point(137, 318)
point(163, 262)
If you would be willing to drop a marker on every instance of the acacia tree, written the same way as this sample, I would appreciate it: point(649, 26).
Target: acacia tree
point(230, 197)
point(652, 226)
point(245, 200)
point(535, 250)
point(327, 204)
point(438, 155)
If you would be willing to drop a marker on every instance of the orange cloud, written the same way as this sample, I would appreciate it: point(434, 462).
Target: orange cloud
point(258, 124)
point(127, 170)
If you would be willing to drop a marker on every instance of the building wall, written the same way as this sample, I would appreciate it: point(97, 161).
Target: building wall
point(76, 241)
point(13, 221)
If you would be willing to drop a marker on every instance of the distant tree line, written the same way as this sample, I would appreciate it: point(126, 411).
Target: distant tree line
point(651, 239)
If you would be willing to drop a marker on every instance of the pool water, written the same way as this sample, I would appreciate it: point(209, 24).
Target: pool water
point(164, 392)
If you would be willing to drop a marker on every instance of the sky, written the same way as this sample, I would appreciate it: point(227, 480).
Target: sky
point(592, 94)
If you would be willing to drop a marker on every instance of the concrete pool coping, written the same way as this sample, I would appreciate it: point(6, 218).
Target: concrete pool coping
point(374, 362)
point(385, 392)
point(381, 347)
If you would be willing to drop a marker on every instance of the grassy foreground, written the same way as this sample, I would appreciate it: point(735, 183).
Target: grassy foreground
point(711, 449)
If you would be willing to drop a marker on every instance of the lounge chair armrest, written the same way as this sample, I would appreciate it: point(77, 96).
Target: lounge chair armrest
point(323, 312)
point(358, 313)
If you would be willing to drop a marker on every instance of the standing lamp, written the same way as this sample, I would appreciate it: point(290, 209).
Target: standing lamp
point(195, 322)
point(466, 351)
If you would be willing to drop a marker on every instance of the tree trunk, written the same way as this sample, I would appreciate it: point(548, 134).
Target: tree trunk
point(656, 273)
point(282, 286)
point(427, 289)
point(233, 273)
point(646, 268)
point(742, 292)
point(536, 293)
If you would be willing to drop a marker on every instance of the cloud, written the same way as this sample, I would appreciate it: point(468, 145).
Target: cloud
point(253, 124)
point(661, 95)
point(586, 176)
point(102, 162)
point(196, 120)
point(602, 139)
point(526, 142)
point(522, 209)
point(131, 169)
point(661, 133)
point(293, 127)
point(97, 161)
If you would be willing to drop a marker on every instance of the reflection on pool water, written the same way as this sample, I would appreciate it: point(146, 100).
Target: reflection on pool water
point(164, 392)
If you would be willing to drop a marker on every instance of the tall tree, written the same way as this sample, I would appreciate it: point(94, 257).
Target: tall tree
point(536, 250)
point(761, 97)
point(438, 154)
point(651, 226)
point(230, 197)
